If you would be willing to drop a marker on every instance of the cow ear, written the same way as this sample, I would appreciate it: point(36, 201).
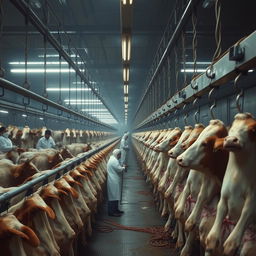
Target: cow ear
point(218, 145)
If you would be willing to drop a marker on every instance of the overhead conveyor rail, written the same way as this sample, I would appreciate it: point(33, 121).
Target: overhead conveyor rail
point(26, 10)
point(189, 64)
point(224, 70)
point(29, 187)
point(27, 93)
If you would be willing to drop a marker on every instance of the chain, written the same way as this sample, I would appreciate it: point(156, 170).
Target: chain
point(1, 33)
point(194, 42)
point(184, 57)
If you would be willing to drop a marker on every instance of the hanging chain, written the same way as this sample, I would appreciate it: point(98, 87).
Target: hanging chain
point(26, 84)
point(176, 68)
point(217, 29)
point(194, 42)
point(184, 58)
point(69, 77)
point(60, 67)
point(76, 86)
point(1, 33)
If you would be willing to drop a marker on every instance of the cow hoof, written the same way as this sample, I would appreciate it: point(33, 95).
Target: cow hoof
point(230, 247)
point(212, 242)
point(178, 213)
point(189, 225)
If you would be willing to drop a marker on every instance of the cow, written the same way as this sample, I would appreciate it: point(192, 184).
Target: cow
point(15, 174)
point(238, 192)
point(12, 232)
point(62, 231)
point(77, 148)
point(34, 212)
point(43, 160)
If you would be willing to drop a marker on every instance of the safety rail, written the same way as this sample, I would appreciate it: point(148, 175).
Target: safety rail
point(28, 187)
point(227, 68)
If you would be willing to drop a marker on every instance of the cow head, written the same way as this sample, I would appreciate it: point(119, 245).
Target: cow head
point(65, 153)
point(169, 141)
point(242, 134)
point(55, 159)
point(32, 205)
point(10, 225)
point(87, 147)
point(25, 133)
point(187, 139)
point(202, 155)
point(63, 185)
point(24, 170)
point(67, 132)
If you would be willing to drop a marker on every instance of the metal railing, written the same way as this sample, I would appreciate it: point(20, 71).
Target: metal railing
point(44, 179)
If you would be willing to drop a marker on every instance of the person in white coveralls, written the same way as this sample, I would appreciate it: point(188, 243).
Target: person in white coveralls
point(124, 148)
point(114, 171)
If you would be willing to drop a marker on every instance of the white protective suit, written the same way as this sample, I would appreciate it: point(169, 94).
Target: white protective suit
point(5, 144)
point(114, 170)
point(124, 147)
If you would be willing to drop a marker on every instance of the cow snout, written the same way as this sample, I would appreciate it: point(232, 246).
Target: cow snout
point(180, 161)
point(231, 143)
point(183, 146)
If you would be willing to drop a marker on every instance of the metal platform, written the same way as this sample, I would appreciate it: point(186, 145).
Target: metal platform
point(140, 211)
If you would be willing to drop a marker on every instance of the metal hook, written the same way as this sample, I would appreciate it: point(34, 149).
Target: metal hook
point(214, 102)
point(197, 113)
point(185, 116)
point(239, 95)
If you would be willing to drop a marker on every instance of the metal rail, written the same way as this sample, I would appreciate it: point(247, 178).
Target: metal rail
point(25, 9)
point(22, 91)
point(221, 72)
point(182, 22)
point(29, 186)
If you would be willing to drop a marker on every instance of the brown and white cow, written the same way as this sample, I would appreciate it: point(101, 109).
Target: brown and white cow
point(238, 192)
point(15, 174)
point(12, 232)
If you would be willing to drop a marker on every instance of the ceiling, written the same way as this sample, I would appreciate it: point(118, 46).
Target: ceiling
point(95, 30)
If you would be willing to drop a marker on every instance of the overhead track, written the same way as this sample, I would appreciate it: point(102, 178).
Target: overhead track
point(25, 9)
point(27, 93)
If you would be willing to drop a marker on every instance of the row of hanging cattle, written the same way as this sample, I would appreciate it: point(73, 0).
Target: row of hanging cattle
point(54, 218)
point(27, 137)
point(204, 180)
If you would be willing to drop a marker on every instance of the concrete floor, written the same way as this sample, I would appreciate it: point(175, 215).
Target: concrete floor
point(140, 211)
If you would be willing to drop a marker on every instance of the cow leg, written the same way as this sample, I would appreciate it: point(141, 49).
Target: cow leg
point(186, 251)
point(180, 241)
point(205, 193)
point(180, 206)
point(213, 238)
point(234, 239)
point(175, 231)
point(165, 208)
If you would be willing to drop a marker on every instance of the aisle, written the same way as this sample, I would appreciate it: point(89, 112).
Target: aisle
point(139, 211)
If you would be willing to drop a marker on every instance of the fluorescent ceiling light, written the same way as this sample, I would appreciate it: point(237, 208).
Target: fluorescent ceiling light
point(78, 100)
point(128, 49)
point(24, 115)
point(94, 109)
point(124, 49)
point(41, 63)
point(4, 111)
point(126, 89)
point(198, 62)
point(41, 118)
point(84, 103)
point(56, 89)
point(42, 70)
point(126, 74)
point(53, 55)
point(126, 99)
point(190, 70)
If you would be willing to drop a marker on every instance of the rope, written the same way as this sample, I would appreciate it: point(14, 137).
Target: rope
point(159, 237)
